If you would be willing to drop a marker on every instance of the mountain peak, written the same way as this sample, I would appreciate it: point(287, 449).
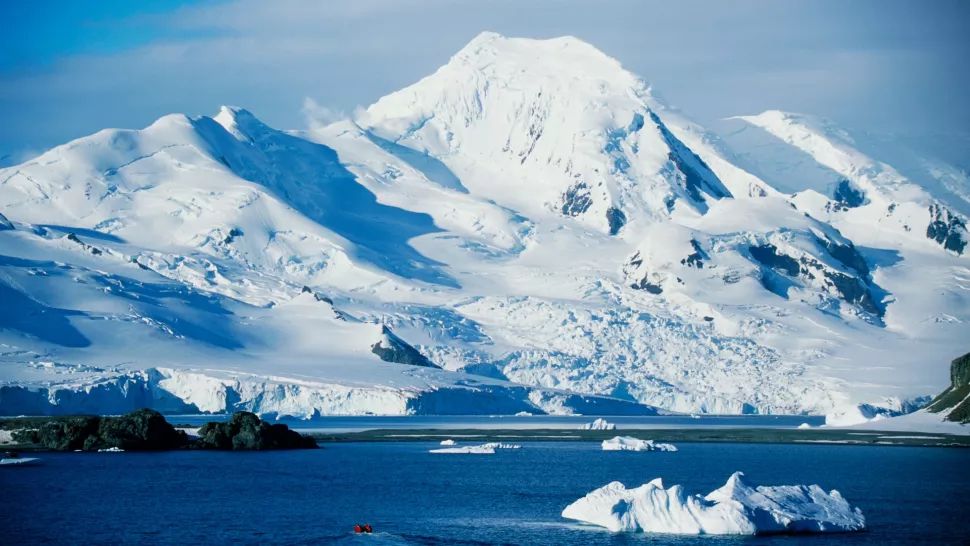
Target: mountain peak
point(239, 121)
point(523, 77)
point(494, 44)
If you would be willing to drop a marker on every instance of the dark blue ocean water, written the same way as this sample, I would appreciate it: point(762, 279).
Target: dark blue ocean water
point(909, 495)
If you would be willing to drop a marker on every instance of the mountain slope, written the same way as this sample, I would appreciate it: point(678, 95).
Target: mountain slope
point(529, 218)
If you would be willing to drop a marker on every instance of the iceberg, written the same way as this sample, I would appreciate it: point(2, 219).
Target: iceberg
point(484, 449)
point(599, 424)
point(19, 461)
point(468, 450)
point(497, 445)
point(628, 443)
point(448, 442)
point(736, 508)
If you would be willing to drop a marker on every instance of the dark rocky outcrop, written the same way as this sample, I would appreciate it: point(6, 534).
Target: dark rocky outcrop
point(698, 177)
point(647, 286)
point(947, 229)
point(231, 237)
point(316, 295)
point(696, 258)
point(616, 219)
point(845, 197)
point(848, 255)
point(77, 240)
point(5, 224)
point(854, 289)
point(768, 255)
point(147, 430)
point(142, 430)
point(394, 349)
point(246, 431)
point(956, 398)
point(576, 200)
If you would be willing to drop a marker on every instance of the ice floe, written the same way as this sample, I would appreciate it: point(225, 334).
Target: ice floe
point(627, 443)
point(483, 449)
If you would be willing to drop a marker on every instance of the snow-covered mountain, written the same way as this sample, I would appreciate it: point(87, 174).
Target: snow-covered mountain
point(526, 229)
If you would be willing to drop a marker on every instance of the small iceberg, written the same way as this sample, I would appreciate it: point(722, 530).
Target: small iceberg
point(111, 450)
point(468, 450)
point(628, 443)
point(448, 442)
point(19, 461)
point(599, 424)
point(804, 426)
point(484, 449)
point(736, 508)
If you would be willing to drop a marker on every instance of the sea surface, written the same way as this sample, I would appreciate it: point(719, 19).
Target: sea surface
point(908, 494)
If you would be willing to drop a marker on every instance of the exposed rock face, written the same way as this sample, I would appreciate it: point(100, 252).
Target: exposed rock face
point(947, 229)
point(394, 349)
point(846, 196)
point(696, 258)
point(956, 398)
point(75, 239)
point(616, 219)
point(5, 224)
point(142, 430)
point(246, 431)
point(698, 178)
point(576, 200)
point(857, 289)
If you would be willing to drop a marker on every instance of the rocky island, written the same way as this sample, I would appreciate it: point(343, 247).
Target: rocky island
point(147, 430)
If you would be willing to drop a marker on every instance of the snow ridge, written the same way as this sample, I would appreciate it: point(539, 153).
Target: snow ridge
point(528, 229)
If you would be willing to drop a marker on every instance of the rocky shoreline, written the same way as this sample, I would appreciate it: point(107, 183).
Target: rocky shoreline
point(147, 430)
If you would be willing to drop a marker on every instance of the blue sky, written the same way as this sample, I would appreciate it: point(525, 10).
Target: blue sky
point(70, 68)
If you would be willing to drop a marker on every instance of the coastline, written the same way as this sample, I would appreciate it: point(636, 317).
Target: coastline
point(684, 435)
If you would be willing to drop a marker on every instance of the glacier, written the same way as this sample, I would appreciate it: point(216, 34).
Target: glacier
point(736, 508)
point(527, 229)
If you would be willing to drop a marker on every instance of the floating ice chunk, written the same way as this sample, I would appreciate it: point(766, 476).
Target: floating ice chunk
point(469, 450)
point(484, 449)
point(599, 424)
point(111, 450)
point(627, 443)
point(448, 442)
point(497, 445)
point(19, 461)
point(737, 508)
point(523, 414)
point(804, 426)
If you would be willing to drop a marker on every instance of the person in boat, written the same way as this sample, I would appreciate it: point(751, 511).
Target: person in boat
point(358, 528)
point(368, 528)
